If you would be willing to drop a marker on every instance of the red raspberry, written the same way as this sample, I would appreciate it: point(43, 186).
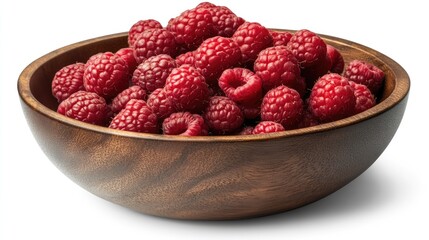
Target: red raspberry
point(314, 72)
point(241, 85)
point(251, 110)
point(282, 105)
point(139, 27)
point(192, 27)
point(307, 47)
point(225, 22)
point(68, 80)
point(128, 55)
point(332, 98)
point(92, 58)
point(364, 98)
point(160, 103)
point(185, 58)
point(187, 89)
point(280, 38)
point(205, 5)
point(152, 42)
point(185, 124)
point(152, 72)
point(308, 119)
point(136, 116)
point(248, 130)
point(337, 60)
point(365, 73)
point(85, 106)
point(252, 38)
point(106, 74)
point(267, 127)
point(215, 55)
point(223, 116)
point(278, 66)
point(301, 86)
point(133, 92)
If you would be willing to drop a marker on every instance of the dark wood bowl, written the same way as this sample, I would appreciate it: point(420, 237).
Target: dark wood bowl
point(211, 177)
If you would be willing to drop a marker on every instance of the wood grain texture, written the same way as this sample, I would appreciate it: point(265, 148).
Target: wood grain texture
point(211, 178)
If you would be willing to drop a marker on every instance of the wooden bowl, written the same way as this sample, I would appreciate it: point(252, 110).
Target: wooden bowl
point(211, 177)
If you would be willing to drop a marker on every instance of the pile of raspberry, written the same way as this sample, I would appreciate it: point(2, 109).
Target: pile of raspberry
point(210, 72)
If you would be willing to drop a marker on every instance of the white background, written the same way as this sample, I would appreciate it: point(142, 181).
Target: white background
point(390, 200)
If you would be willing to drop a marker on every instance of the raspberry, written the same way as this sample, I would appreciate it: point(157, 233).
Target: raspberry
point(160, 103)
point(314, 72)
point(136, 116)
point(252, 37)
point(365, 73)
point(364, 98)
point(185, 124)
point(192, 27)
point(337, 60)
point(152, 72)
point(300, 86)
point(241, 85)
point(85, 106)
point(332, 98)
point(223, 116)
point(282, 105)
point(139, 27)
point(128, 55)
point(205, 5)
point(308, 48)
point(92, 58)
point(187, 89)
point(308, 119)
point(185, 58)
point(280, 38)
point(248, 130)
point(106, 74)
point(224, 21)
point(215, 55)
point(67, 81)
point(133, 92)
point(277, 66)
point(152, 42)
point(267, 127)
point(251, 110)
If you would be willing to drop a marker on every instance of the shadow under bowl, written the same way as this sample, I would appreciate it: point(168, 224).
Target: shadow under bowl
point(210, 177)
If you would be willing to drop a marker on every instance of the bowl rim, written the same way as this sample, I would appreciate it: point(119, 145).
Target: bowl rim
point(400, 91)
